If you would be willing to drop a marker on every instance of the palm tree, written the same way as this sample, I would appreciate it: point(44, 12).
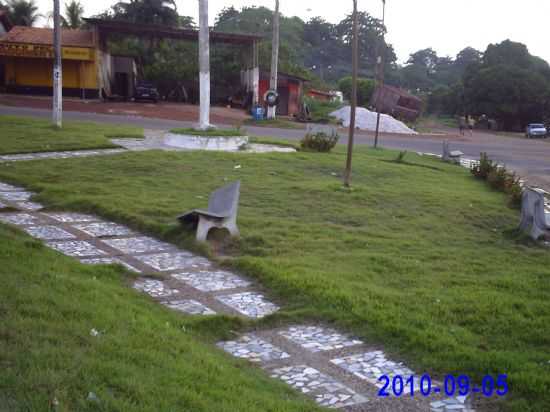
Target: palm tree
point(73, 15)
point(23, 12)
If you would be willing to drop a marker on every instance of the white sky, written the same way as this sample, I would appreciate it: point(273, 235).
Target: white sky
point(447, 26)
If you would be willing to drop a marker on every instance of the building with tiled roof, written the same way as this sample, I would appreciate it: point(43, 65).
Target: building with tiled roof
point(26, 62)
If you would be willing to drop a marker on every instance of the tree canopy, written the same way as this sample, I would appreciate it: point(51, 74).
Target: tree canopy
point(23, 12)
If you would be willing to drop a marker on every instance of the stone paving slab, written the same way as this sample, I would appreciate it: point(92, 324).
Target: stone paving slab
point(4, 187)
point(250, 304)
point(370, 366)
point(22, 196)
point(103, 229)
point(3, 205)
point(253, 349)
point(140, 244)
point(212, 281)
point(155, 288)
point(109, 261)
point(190, 307)
point(19, 219)
point(68, 217)
point(76, 248)
point(49, 233)
point(164, 262)
point(324, 389)
point(317, 339)
point(457, 404)
point(29, 206)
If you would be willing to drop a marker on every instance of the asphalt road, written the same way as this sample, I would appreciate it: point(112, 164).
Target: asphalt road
point(529, 158)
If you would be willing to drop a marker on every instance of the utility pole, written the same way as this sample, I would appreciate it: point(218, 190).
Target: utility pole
point(380, 68)
point(272, 110)
point(57, 71)
point(204, 65)
point(354, 73)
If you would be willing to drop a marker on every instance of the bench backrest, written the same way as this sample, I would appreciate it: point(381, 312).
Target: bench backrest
point(533, 206)
point(225, 201)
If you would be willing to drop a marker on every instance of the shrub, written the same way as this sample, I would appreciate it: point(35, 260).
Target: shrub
point(320, 111)
point(320, 142)
point(499, 178)
point(401, 157)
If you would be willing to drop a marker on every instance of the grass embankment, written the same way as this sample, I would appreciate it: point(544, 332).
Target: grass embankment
point(420, 257)
point(275, 123)
point(145, 358)
point(26, 135)
point(209, 132)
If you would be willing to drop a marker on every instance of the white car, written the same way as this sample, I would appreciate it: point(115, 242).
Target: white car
point(536, 130)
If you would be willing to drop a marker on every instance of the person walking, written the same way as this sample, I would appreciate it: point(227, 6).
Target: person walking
point(462, 125)
point(471, 124)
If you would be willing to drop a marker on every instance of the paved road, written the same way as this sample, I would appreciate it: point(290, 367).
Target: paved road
point(530, 158)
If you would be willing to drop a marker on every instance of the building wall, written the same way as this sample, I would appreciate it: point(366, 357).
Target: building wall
point(34, 75)
point(294, 92)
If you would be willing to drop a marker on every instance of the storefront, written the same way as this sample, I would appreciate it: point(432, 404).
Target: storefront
point(26, 62)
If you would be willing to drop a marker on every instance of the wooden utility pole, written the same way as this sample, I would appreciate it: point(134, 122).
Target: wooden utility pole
point(354, 73)
point(380, 68)
point(57, 71)
point(204, 65)
point(272, 110)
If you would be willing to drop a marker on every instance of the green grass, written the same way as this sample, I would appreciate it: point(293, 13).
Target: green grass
point(276, 123)
point(146, 358)
point(433, 123)
point(26, 135)
point(209, 132)
point(419, 258)
point(274, 141)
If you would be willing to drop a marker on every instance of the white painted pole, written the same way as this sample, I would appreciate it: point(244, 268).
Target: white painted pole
point(272, 110)
point(57, 69)
point(204, 65)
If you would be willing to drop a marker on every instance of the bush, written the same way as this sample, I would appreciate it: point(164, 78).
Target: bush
point(499, 178)
point(365, 90)
point(320, 142)
point(320, 111)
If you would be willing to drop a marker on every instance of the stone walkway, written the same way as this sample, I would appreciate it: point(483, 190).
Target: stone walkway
point(334, 369)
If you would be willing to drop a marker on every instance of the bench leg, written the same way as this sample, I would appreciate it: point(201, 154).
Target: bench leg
point(203, 228)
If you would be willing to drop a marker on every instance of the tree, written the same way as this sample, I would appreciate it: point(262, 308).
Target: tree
point(273, 83)
point(371, 33)
point(23, 12)
point(73, 15)
point(147, 12)
point(365, 89)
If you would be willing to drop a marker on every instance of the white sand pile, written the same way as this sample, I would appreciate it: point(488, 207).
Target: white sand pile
point(366, 120)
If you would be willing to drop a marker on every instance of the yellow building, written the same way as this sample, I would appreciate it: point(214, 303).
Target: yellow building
point(26, 62)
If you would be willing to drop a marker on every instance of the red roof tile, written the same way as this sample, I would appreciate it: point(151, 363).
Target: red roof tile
point(35, 35)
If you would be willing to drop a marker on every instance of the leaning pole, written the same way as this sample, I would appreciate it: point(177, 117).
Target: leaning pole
point(57, 74)
point(204, 65)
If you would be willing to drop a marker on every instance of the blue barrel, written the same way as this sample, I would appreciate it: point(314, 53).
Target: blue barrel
point(258, 113)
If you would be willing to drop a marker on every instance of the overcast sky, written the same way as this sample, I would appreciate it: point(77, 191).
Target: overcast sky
point(445, 25)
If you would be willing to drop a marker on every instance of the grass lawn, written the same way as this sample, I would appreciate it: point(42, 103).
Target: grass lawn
point(419, 258)
point(26, 135)
point(146, 358)
point(277, 123)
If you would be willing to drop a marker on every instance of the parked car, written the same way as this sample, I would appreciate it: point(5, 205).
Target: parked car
point(536, 130)
point(146, 91)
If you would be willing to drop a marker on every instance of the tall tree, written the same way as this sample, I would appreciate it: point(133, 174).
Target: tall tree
point(74, 11)
point(23, 12)
point(147, 12)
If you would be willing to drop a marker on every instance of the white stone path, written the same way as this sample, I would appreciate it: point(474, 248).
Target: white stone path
point(334, 369)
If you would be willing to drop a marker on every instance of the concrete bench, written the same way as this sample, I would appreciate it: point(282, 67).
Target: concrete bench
point(454, 156)
point(221, 213)
point(535, 219)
